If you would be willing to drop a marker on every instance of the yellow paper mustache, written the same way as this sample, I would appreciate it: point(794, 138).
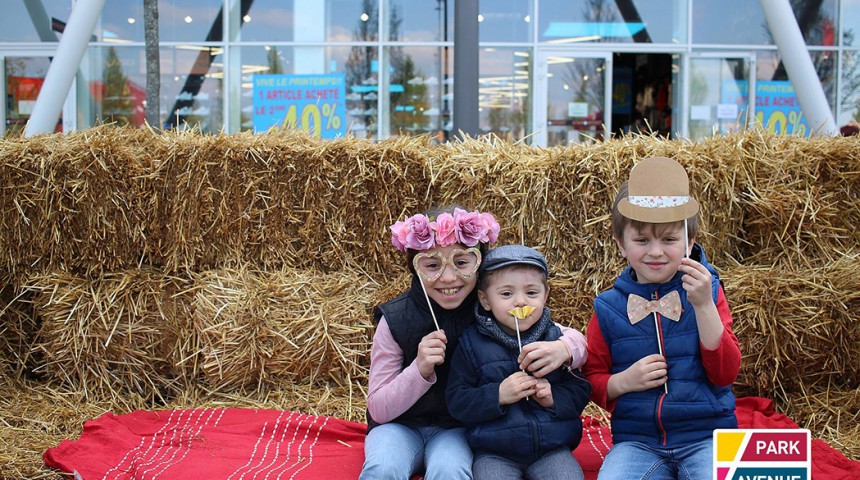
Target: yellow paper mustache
point(522, 313)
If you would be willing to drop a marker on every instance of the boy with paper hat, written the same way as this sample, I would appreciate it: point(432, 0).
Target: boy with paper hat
point(661, 353)
point(518, 426)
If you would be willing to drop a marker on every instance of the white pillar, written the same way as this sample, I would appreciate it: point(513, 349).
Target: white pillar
point(798, 64)
point(63, 67)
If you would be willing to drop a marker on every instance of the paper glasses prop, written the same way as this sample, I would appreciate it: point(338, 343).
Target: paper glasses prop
point(431, 265)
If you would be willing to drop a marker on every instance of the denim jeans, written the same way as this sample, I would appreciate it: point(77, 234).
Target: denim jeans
point(635, 460)
point(394, 451)
point(559, 464)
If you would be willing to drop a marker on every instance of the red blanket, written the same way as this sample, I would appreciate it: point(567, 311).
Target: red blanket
point(268, 444)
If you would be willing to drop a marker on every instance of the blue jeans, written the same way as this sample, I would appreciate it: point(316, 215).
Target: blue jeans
point(558, 464)
point(395, 451)
point(635, 460)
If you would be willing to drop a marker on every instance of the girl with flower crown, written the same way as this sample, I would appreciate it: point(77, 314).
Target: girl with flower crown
point(409, 427)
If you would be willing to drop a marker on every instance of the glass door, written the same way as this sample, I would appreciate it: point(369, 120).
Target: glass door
point(23, 76)
point(722, 94)
point(573, 95)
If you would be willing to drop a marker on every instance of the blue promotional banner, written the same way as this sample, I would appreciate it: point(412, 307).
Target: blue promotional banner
point(776, 107)
point(312, 103)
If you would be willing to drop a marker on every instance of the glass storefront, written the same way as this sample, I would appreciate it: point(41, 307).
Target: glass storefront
point(550, 71)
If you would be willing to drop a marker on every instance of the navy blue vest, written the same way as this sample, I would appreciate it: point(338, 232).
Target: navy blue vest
point(694, 407)
point(523, 431)
point(409, 319)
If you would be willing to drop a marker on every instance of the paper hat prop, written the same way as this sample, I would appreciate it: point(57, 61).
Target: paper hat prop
point(658, 192)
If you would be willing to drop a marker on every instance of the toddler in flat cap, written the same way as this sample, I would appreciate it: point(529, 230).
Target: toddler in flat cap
point(516, 424)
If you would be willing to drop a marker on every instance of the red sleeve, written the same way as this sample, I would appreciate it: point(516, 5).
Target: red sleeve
point(598, 365)
point(723, 364)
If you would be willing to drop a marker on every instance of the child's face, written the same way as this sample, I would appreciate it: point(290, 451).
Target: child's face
point(654, 253)
point(515, 287)
point(451, 288)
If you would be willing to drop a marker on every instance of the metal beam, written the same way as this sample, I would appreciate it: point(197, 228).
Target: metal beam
point(798, 64)
point(466, 63)
point(63, 67)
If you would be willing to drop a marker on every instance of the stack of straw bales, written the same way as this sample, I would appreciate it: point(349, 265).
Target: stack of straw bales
point(144, 270)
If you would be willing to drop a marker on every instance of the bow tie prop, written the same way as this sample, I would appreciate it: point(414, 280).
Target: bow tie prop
point(668, 306)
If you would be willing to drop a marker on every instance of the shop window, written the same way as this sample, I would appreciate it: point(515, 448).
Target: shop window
point(849, 111)
point(420, 87)
point(114, 90)
point(504, 100)
point(506, 21)
point(178, 21)
point(628, 21)
point(742, 22)
point(41, 21)
point(306, 21)
point(352, 110)
point(420, 20)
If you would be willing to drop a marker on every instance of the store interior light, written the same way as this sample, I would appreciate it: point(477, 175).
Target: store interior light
point(364, 17)
point(586, 38)
point(131, 20)
point(246, 18)
point(480, 18)
point(188, 19)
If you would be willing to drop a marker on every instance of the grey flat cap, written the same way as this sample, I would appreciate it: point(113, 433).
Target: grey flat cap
point(507, 255)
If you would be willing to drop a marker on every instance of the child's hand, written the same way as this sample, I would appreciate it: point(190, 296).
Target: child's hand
point(541, 358)
point(697, 283)
point(431, 352)
point(516, 387)
point(543, 393)
point(647, 373)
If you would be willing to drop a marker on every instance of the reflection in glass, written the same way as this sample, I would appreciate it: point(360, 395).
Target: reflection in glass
point(421, 21)
point(575, 99)
point(622, 21)
point(850, 110)
point(191, 88)
point(305, 20)
point(719, 96)
point(739, 22)
point(419, 93)
point(24, 77)
point(504, 92)
point(178, 21)
point(30, 21)
point(506, 20)
point(850, 23)
point(777, 106)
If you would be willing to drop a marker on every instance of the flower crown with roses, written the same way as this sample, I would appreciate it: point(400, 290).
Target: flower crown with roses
point(420, 232)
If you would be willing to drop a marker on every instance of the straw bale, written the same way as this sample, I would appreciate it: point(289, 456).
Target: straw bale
point(259, 327)
point(830, 413)
point(284, 199)
point(801, 200)
point(36, 416)
point(18, 326)
point(560, 199)
point(123, 332)
point(796, 326)
point(78, 201)
point(572, 295)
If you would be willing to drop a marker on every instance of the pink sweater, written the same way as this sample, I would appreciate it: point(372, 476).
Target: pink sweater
point(393, 390)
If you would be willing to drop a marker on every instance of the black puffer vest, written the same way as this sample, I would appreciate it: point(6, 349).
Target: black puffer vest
point(409, 319)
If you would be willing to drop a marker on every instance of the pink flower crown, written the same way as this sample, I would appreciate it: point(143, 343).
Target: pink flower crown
point(420, 232)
